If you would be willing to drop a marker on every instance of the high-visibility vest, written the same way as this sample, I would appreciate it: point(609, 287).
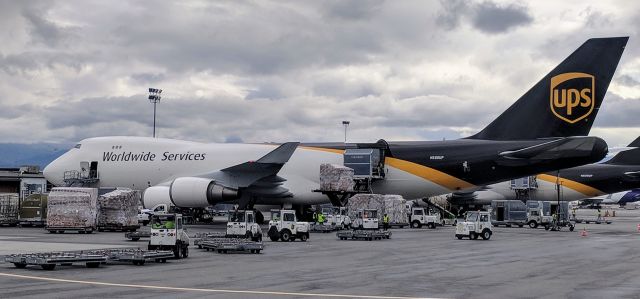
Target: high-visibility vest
point(385, 219)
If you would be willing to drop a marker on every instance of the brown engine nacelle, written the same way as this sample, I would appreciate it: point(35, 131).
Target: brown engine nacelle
point(194, 192)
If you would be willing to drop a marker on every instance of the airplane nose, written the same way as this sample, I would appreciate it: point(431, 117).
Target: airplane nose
point(52, 174)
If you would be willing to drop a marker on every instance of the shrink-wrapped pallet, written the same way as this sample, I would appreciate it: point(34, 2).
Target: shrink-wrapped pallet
point(393, 205)
point(9, 208)
point(118, 209)
point(336, 178)
point(70, 207)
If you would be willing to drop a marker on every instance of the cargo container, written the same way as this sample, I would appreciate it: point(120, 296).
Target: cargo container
point(33, 210)
point(9, 206)
point(72, 209)
point(393, 205)
point(508, 213)
point(118, 210)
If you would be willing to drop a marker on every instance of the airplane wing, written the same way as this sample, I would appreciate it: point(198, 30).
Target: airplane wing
point(245, 174)
point(569, 147)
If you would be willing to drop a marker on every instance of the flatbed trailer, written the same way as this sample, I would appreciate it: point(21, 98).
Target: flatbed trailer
point(130, 228)
point(92, 258)
point(224, 245)
point(361, 234)
point(62, 229)
point(323, 228)
point(137, 235)
point(592, 220)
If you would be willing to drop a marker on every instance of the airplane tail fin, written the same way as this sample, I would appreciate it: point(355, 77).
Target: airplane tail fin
point(565, 102)
point(628, 157)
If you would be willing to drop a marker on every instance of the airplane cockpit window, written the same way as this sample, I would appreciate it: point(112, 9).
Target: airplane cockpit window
point(77, 145)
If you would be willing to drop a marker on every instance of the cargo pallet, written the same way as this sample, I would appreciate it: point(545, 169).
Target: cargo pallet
point(369, 235)
point(135, 236)
point(111, 228)
point(61, 229)
point(92, 259)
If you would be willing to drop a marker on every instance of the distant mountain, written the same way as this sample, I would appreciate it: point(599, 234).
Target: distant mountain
point(16, 154)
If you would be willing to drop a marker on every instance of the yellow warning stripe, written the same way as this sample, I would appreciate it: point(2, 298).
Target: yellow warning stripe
point(322, 149)
point(579, 187)
point(428, 173)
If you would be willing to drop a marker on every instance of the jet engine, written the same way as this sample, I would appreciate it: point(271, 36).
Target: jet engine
point(194, 192)
point(156, 195)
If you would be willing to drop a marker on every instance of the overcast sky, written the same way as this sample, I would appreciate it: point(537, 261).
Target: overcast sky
point(259, 71)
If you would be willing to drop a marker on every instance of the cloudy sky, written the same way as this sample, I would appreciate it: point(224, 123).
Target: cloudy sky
point(278, 71)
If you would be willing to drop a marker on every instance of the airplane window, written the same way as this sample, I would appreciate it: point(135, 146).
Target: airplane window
point(77, 145)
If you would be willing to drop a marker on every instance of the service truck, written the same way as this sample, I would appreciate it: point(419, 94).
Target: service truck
point(476, 224)
point(337, 217)
point(168, 233)
point(423, 217)
point(242, 224)
point(285, 227)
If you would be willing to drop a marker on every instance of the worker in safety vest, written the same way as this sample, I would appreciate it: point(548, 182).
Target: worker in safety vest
point(320, 218)
point(385, 222)
point(599, 215)
point(315, 217)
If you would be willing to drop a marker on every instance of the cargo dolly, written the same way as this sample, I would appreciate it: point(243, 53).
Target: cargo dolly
point(322, 228)
point(61, 229)
point(48, 261)
point(596, 220)
point(218, 242)
point(361, 234)
point(123, 228)
point(92, 259)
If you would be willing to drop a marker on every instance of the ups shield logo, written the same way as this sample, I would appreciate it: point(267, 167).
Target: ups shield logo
point(572, 96)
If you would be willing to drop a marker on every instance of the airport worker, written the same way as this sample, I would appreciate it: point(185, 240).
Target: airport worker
point(321, 218)
point(385, 221)
point(315, 217)
point(573, 213)
point(599, 214)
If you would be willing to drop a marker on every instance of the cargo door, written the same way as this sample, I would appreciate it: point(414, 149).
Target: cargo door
point(500, 214)
point(93, 170)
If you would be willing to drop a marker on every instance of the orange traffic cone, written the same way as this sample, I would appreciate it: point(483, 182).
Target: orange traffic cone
point(584, 232)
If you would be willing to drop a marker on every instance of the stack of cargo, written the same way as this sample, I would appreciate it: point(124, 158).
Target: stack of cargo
point(336, 178)
point(392, 205)
point(9, 208)
point(72, 209)
point(33, 210)
point(118, 210)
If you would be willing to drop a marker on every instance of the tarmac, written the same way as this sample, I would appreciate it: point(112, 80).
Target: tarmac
point(427, 263)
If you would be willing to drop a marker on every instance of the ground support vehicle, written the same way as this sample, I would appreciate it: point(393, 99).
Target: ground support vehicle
point(361, 234)
point(168, 233)
point(242, 224)
point(137, 235)
point(285, 227)
point(144, 216)
point(33, 210)
point(476, 224)
point(421, 216)
point(336, 217)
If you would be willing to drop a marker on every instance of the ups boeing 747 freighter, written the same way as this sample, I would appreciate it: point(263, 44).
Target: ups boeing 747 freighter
point(545, 130)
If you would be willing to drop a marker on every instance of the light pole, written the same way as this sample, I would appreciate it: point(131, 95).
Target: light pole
point(154, 97)
point(345, 123)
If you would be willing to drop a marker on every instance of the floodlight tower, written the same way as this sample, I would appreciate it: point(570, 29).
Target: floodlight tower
point(154, 97)
point(345, 123)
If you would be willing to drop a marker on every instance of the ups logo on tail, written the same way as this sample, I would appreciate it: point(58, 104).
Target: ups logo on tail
point(572, 96)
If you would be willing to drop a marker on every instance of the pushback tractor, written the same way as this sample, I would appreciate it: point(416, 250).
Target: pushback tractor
point(168, 233)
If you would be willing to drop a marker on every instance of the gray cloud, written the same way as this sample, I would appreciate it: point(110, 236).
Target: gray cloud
point(492, 18)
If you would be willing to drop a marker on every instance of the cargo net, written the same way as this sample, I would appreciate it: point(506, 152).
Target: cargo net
point(118, 208)
point(8, 207)
point(72, 207)
point(336, 178)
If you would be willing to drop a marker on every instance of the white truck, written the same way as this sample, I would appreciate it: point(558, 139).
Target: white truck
point(476, 224)
point(242, 224)
point(536, 217)
point(144, 216)
point(285, 227)
point(420, 216)
point(168, 233)
point(336, 216)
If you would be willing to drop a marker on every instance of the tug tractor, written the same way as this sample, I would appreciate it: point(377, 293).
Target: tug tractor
point(242, 224)
point(477, 224)
point(168, 233)
point(284, 226)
